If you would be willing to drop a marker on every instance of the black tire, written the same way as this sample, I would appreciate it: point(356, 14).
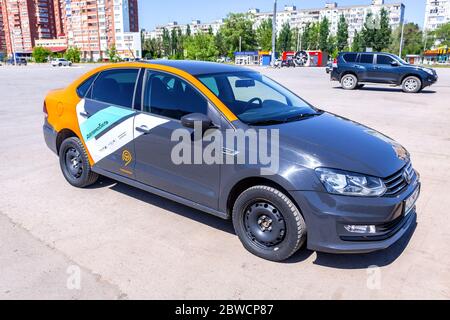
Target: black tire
point(349, 81)
point(75, 165)
point(412, 84)
point(268, 223)
point(60, 65)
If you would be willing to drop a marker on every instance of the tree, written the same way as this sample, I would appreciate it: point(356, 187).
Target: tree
point(314, 36)
point(324, 32)
point(41, 54)
point(201, 47)
point(220, 44)
point(442, 35)
point(342, 34)
point(173, 42)
point(153, 48)
point(166, 43)
point(376, 33)
point(73, 54)
point(238, 27)
point(412, 40)
point(368, 33)
point(285, 38)
point(112, 53)
point(188, 30)
point(357, 42)
point(264, 35)
point(306, 40)
point(383, 34)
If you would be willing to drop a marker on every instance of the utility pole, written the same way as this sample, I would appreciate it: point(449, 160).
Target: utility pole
point(299, 40)
point(240, 43)
point(401, 40)
point(274, 32)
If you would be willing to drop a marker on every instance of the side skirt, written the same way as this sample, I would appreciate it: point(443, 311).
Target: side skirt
point(160, 193)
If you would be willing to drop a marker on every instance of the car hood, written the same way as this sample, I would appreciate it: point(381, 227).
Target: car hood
point(335, 142)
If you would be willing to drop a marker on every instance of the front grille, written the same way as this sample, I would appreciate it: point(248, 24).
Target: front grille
point(400, 180)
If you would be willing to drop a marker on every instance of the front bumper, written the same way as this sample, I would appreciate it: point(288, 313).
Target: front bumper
point(50, 136)
point(326, 215)
point(430, 80)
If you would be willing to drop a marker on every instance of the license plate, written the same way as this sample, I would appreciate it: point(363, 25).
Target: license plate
point(411, 201)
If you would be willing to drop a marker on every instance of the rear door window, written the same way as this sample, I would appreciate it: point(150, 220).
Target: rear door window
point(366, 58)
point(350, 57)
point(115, 87)
point(83, 89)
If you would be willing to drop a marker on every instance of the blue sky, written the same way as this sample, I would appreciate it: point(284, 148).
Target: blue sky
point(157, 12)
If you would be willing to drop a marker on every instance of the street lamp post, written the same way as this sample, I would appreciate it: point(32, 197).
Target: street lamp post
point(401, 40)
point(274, 31)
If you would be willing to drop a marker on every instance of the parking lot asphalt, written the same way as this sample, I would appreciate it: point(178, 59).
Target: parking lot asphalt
point(126, 243)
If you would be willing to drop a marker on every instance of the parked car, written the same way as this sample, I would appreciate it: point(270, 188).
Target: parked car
point(338, 185)
point(354, 69)
point(17, 62)
point(329, 67)
point(60, 62)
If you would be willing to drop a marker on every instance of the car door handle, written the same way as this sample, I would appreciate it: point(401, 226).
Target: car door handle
point(85, 115)
point(143, 129)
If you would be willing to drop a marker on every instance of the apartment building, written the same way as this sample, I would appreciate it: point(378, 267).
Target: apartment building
point(195, 26)
point(355, 15)
point(27, 20)
point(437, 13)
point(2, 32)
point(97, 25)
point(299, 18)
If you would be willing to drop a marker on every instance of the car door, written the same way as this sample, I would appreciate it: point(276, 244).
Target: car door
point(106, 120)
point(166, 99)
point(366, 67)
point(385, 70)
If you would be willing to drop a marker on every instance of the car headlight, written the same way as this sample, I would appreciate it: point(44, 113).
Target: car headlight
point(350, 184)
point(429, 71)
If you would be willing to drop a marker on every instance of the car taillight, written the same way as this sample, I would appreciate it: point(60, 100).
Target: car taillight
point(335, 64)
point(44, 109)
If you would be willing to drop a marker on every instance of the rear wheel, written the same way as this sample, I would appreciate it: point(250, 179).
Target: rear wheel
point(268, 223)
point(75, 165)
point(411, 84)
point(349, 82)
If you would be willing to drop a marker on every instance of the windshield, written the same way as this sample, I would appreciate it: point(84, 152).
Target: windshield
point(256, 99)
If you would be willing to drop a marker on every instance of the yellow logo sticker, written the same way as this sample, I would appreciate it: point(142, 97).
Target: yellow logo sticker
point(127, 157)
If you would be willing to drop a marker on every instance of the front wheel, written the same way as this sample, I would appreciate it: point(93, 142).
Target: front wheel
point(268, 223)
point(411, 84)
point(349, 82)
point(75, 165)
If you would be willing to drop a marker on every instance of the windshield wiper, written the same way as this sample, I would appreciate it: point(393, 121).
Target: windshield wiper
point(266, 122)
point(302, 116)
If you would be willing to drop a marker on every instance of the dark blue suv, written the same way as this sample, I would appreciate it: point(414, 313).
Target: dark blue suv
point(354, 69)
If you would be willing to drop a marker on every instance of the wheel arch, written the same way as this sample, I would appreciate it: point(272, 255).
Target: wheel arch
point(63, 135)
point(249, 182)
point(348, 72)
point(411, 75)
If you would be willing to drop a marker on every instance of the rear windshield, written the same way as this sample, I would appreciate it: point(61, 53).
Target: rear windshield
point(350, 57)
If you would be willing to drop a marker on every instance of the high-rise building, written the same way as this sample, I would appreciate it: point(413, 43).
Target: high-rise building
point(27, 20)
point(2, 31)
point(96, 26)
point(437, 13)
point(299, 18)
point(355, 15)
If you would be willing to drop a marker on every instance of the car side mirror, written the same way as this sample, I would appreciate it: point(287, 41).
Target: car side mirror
point(395, 63)
point(189, 120)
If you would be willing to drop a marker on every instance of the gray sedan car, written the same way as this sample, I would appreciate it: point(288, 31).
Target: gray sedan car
point(236, 144)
